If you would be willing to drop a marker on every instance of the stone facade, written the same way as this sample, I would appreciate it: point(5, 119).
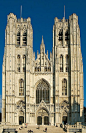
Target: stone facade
point(42, 91)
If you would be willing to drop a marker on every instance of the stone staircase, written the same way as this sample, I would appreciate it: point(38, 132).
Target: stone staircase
point(50, 129)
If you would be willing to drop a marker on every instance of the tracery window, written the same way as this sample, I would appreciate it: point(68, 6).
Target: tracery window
point(21, 87)
point(18, 38)
point(42, 92)
point(25, 38)
point(24, 61)
point(60, 35)
point(64, 87)
point(61, 63)
point(67, 66)
point(66, 35)
point(18, 63)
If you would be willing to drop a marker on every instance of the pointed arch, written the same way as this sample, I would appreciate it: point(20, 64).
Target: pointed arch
point(42, 91)
point(18, 38)
point(18, 63)
point(61, 63)
point(21, 87)
point(24, 61)
point(24, 37)
point(67, 63)
point(64, 87)
point(60, 34)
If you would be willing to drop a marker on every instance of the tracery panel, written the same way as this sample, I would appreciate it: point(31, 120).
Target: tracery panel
point(43, 89)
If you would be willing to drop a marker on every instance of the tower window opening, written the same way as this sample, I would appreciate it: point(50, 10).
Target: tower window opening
point(24, 61)
point(25, 38)
point(21, 87)
point(18, 63)
point(67, 65)
point(66, 35)
point(18, 39)
point(64, 87)
point(60, 35)
point(61, 63)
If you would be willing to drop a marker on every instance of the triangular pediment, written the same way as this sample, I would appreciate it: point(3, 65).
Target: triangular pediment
point(42, 105)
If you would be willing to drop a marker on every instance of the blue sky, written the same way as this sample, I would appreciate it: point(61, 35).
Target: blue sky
point(42, 13)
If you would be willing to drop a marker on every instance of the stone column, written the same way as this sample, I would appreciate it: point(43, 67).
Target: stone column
point(42, 120)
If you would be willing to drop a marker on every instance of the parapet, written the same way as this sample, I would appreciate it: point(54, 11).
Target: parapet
point(11, 15)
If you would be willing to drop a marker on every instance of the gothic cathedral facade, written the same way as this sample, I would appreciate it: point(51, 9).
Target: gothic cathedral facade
point(44, 90)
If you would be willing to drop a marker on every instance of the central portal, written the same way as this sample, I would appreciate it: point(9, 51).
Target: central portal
point(39, 120)
point(42, 117)
point(21, 120)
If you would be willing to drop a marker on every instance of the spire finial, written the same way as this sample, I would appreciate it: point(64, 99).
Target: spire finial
point(64, 11)
point(42, 40)
point(21, 12)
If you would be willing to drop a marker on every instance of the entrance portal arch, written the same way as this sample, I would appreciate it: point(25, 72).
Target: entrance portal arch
point(42, 117)
point(64, 111)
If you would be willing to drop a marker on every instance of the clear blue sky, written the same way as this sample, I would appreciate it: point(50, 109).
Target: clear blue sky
point(42, 13)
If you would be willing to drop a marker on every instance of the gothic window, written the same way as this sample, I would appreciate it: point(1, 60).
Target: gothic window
point(25, 38)
point(64, 87)
point(45, 69)
point(49, 69)
point(61, 63)
point(18, 63)
point(35, 69)
point(60, 34)
point(18, 38)
point(24, 60)
point(67, 66)
point(66, 35)
point(21, 87)
point(42, 92)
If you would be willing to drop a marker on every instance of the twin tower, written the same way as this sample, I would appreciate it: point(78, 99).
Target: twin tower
point(42, 91)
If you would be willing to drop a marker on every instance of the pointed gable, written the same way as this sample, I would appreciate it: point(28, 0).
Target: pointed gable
point(42, 63)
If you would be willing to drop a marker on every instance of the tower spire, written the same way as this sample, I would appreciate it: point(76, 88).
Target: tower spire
point(21, 12)
point(64, 11)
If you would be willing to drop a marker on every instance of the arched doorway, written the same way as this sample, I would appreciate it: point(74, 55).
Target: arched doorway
point(46, 120)
point(64, 110)
point(39, 120)
point(64, 119)
point(21, 120)
point(21, 117)
point(42, 117)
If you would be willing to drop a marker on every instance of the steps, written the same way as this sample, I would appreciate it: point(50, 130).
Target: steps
point(50, 129)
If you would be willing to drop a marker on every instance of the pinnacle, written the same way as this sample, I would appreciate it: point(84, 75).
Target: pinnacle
point(42, 40)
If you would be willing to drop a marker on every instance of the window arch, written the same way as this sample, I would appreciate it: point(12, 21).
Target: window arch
point(67, 61)
point(42, 92)
point(66, 35)
point(61, 63)
point(25, 38)
point(18, 63)
point(18, 38)
point(64, 87)
point(21, 87)
point(60, 34)
point(24, 61)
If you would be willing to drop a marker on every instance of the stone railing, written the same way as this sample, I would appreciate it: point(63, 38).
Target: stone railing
point(78, 127)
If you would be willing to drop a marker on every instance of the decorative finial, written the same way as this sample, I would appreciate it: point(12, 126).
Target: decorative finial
point(21, 12)
point(42, 40)
point(64, 11)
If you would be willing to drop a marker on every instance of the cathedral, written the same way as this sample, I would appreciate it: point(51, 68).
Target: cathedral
point(42, 90)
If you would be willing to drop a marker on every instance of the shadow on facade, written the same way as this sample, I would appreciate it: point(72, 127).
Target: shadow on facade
point(0, 116)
